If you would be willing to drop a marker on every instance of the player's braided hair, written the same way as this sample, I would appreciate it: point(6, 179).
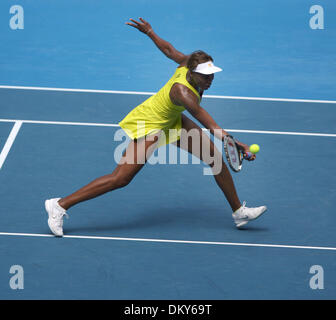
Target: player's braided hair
point(196, 58)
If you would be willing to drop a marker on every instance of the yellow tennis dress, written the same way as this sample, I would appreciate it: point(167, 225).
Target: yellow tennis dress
point(158, 113)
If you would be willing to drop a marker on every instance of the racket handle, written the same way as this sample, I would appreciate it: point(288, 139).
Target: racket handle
point(248, 155)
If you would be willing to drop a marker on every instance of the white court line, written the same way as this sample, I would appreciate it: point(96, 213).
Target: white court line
point(9, 142)
point(77, 90)
point(151, 93)
point(64, 123)
point(170, 241)
point(116, 125)
point(286, 133)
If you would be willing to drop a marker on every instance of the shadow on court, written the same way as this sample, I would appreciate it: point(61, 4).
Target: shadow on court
point(165, 218)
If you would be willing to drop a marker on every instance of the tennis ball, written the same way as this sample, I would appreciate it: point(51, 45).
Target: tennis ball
point(254, 148)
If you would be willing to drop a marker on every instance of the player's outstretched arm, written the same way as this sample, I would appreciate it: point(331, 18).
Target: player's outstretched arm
point(166, 47)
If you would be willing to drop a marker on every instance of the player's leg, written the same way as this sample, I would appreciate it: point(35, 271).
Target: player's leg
point(132, 161)
point(213, 158)
point(241, 214)
point(130, 164)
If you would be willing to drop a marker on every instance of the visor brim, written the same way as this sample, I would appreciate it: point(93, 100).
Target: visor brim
point(209, 70)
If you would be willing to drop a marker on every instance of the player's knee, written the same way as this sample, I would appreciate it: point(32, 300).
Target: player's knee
point(212, 158)
point(119, 181)
point(216, 162)
point(124, 181)
point(217, 166)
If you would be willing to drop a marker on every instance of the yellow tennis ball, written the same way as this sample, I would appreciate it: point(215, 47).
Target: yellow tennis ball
point(254, 148)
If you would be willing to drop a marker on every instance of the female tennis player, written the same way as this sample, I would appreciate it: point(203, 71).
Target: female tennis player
point(161, 116)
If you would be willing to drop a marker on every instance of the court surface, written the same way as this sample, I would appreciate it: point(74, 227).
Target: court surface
point(70, 76)
point(169, 234)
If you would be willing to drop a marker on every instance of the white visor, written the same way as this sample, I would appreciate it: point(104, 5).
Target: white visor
point(207, 68)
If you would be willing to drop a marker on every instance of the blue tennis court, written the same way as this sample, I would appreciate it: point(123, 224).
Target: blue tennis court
point(169, 234)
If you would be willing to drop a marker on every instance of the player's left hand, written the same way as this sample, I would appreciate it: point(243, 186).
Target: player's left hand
point(142, 26)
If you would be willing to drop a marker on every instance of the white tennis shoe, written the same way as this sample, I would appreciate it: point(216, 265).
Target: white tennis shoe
point(244, 214)
point(56, 214)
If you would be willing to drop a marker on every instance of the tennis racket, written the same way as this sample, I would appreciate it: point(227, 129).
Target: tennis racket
point(234, 154)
